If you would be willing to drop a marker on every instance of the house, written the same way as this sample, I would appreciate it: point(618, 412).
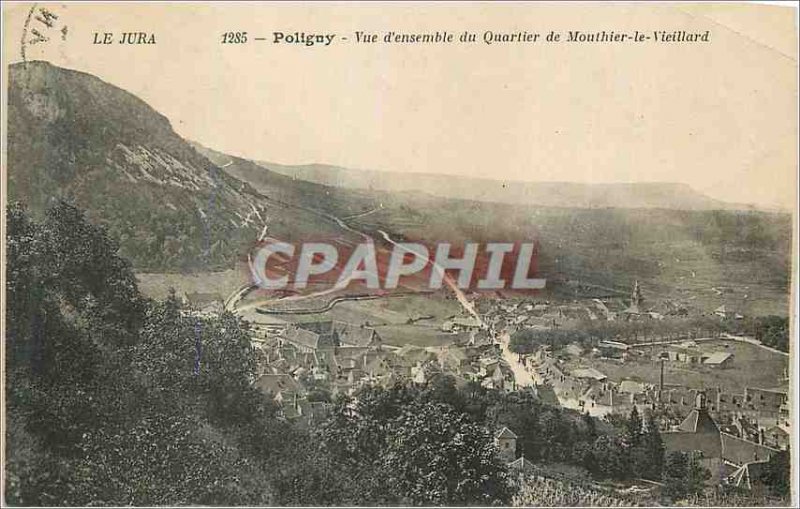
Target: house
point(506, 442)
point(724, 312)
point(305, 340)
point(522, 466)
point(719, 360)
point(685, 355)
point(480, 338)
point(574, 349)
point(265, 330)
point(546, 394)
point(462, 323)
point(722, 453)
point(452, 358)
point(486, 365)
point(697, 434)
point(777, 437)
point(612, 349)
point(314, 336)
point(345, 334)
point(502, 378)
point(600, 400)
point(631, 387)
point(376, 368)
point(589, 374)
point(412, 354)
point(282, 387)
point(423, 373)
point(742, 427)
point(768, 402)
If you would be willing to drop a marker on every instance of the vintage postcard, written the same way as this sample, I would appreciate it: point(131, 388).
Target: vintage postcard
point(399, 254)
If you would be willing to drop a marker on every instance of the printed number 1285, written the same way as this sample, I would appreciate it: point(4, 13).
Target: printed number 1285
point(234, 37)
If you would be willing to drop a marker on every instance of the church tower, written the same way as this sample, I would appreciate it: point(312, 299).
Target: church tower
point(636, 296)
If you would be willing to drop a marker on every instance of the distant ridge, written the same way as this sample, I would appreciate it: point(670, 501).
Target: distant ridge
point(660, 195)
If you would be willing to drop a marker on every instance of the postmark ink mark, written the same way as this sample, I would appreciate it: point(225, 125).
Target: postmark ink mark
point(41, 24)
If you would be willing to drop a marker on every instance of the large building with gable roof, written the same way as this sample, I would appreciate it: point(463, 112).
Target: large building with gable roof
point(727, 457)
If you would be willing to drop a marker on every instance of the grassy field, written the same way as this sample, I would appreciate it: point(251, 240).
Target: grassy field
point(157, 285)
point(429, 310)
point(752, 366)
point(412, 319)
point(418, 335)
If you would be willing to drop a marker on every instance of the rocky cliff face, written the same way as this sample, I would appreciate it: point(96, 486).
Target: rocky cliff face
point(74, 136)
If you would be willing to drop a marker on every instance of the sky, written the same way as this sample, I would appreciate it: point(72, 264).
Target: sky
point(720, 116)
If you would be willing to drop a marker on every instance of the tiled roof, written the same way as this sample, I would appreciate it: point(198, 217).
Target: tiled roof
point(356, 336)
point(547, 394)
point(631, 387)
point(346, 334)
point(275, 384)
point(522, 464)
point(687, 441)
point(466, 321)
point(718, 358)
point(413, 354)
point(588, 373)
point(698, 421)
point(302, 337)
point(739, 451)
point(505, 433)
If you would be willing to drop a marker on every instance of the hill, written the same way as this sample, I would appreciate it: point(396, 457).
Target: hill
point(74, 136)
point(694, 257)
point(175, 206)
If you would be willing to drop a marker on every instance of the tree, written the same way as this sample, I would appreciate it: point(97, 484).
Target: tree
point(772, 331)
point(591, 425)
point(435, 456)
point(108, 401)
point(209, 360)
point(776, 475)
point(523, 342)
point(402, 447)
point(165, 458)
point(583, 455)
point(647, 455)
point(633, 426)
point(611, 457)
point(684, 475)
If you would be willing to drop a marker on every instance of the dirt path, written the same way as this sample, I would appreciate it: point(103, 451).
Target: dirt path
point(522, 376)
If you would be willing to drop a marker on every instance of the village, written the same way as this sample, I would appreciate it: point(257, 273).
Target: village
point(304, 365)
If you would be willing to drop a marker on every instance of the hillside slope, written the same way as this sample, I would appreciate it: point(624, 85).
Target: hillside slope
point(73, 136)
point(696, 257)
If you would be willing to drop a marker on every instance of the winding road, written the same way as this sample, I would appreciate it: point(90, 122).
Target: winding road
point(232, 301)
